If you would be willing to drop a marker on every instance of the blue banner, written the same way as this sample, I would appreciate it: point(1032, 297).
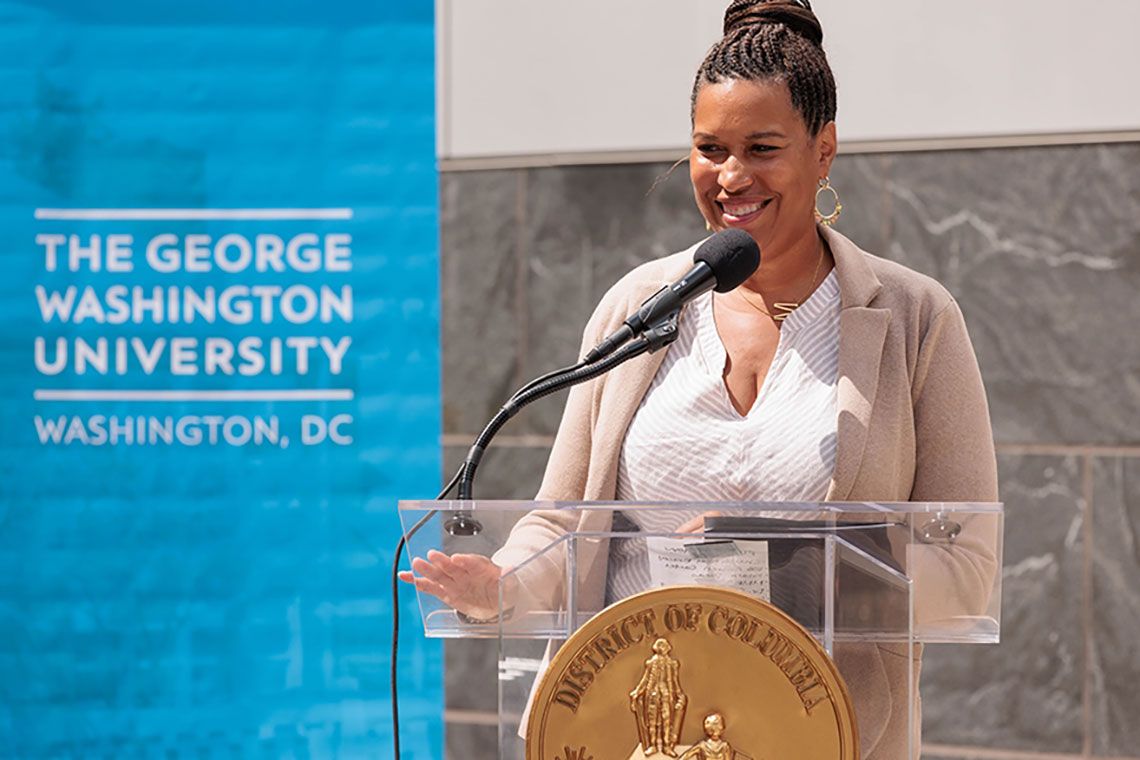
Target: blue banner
point(220, 369)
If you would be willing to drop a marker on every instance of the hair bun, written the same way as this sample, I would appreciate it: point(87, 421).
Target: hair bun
point(794, 14)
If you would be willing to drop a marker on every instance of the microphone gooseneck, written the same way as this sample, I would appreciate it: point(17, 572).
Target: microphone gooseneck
point(656, 337)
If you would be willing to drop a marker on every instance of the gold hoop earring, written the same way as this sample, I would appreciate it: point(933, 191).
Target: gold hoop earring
point(708, 225)
point(827, 219)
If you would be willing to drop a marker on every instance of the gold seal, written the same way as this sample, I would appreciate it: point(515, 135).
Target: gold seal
point(694, 673)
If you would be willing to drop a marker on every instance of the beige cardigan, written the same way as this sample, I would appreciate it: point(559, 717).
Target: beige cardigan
point(913, 426)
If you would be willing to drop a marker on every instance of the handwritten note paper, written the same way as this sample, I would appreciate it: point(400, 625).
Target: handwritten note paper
point(742, 565)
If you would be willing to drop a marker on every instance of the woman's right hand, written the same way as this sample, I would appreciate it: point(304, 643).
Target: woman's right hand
point(697, 524)
point(468, 583)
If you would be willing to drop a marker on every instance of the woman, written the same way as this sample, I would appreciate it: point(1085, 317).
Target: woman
point(830, 374)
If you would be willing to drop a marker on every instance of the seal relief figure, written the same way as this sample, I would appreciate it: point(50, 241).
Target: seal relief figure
point(713, 746)
point(658, 702)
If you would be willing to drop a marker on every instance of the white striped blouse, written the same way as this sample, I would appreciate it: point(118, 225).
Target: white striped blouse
point(688, 442)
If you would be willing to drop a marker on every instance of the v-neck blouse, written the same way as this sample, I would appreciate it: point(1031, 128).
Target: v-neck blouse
point(688, 442)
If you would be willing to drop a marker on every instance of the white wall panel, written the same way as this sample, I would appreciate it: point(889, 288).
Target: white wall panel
point(523, 77)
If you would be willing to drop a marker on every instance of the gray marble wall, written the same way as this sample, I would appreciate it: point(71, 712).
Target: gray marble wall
point(1042, 248)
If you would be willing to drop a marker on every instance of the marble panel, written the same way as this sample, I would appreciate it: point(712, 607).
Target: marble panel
point(585, 227)
point(506, 472)
point(1025, 693)
point(472, 674)
point(466, 741)
point(1116, 607)
point(1042, 248)
point(861, 184)
point(479, 287)
point(660, 217)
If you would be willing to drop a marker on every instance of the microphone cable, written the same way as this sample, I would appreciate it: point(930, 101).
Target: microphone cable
point(396, 608)
point(403, 542)
point(658, 336)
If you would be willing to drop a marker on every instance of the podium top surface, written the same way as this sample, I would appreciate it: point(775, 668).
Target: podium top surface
point(836, 507)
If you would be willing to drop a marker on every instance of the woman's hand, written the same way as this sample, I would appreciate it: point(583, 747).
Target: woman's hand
point(468, 583)
point(697, 524)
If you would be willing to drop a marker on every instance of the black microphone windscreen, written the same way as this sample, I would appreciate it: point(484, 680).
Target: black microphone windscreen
point(732, 255)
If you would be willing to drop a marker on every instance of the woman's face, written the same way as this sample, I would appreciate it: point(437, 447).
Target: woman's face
point(753, 164)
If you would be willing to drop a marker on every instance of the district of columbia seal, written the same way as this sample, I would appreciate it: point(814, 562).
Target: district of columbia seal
point(692, 673)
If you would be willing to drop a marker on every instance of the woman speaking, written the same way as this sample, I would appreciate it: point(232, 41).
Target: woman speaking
point(829, 375)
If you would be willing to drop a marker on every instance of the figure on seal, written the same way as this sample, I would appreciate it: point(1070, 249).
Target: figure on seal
point(712, 747)
point(658, 703)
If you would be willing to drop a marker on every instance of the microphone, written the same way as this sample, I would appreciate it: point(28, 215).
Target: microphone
point(721, 263)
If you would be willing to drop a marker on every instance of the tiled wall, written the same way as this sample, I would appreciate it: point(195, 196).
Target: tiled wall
point(1042, 248)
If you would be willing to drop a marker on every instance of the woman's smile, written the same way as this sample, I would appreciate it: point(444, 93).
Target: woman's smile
point(740, 212)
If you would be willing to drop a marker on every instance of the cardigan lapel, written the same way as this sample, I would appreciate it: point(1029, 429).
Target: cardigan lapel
point(625, 387)
point(862, 334)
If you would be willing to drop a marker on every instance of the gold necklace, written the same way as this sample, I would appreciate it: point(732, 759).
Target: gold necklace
point(785, 308)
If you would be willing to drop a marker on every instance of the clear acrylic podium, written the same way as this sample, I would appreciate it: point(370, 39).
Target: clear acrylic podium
point(858, 576)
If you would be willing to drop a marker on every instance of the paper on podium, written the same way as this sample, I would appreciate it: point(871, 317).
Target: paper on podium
point(741, 565)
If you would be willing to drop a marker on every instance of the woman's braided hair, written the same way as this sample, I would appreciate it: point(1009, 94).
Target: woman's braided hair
point(778, 40)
